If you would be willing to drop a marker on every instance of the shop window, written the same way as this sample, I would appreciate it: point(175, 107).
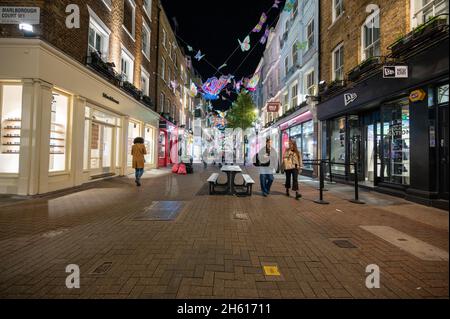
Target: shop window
point(118, 148)
point(396, 142)
point(146, 40)
point(129, 16)
point(442, 94)
point(10, 118)
point(338, 9)
point(148, 137)
point(134, 130)
point(87, 123)
point(308, 143)
point(338, 63)
point(371, 36)
point(58, 132)
point(127, 66)
point(427, 9)
point(337, 145)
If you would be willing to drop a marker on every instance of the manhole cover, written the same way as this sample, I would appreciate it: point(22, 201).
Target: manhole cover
point(102, 269)
point(344, 244)
point(161, 211)
point(54, 233)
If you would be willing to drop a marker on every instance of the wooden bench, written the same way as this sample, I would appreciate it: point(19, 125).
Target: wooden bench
point(212, 180)
point(248, 184)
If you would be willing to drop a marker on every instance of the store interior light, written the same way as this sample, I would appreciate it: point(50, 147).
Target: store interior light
point(26, 27)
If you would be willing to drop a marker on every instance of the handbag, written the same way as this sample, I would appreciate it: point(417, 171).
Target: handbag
point(182, 169)
point(175, 168)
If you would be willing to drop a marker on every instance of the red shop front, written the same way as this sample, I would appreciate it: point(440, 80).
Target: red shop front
point(167, 143)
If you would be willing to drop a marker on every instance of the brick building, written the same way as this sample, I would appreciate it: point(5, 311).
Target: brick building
point(383, 95)
point(74, 97)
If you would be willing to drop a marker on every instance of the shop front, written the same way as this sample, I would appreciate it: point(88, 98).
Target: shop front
point(300, 128)
point(395, 130)
point(167, 143)
point(64, 125)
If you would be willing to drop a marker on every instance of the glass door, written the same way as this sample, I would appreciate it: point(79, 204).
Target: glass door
point(101, 148)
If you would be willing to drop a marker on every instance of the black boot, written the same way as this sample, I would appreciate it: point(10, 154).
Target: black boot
point(298, 195)
point(287, 192)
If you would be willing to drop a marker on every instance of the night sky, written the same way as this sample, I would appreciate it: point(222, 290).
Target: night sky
point(214, 28)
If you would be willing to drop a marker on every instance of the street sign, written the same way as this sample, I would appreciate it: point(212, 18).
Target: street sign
point(395, 72)
point(273, 107)
point(18, 15)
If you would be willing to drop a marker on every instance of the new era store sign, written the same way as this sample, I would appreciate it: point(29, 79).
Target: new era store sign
point(395, 72)
point(18, 15)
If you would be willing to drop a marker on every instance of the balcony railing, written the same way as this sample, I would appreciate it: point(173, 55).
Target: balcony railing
point(421, 37)
point(106, 70)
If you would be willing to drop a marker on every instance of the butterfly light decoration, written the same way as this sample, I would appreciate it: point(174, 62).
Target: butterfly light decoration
point(260, 24)
point(213, 86)
point(245, 45)
point(253, 83)
point(265, 36)
point(276, 4)
point(191, 49)
point(199, 55)
point(222, 66)
point(193, 90)
point(301, 45)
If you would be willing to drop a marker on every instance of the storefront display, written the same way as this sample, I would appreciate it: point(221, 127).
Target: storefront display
point(303, 135)
point(148, 137)
point(396, 143)
point(134, 130)
point(338, 140)
point(10, 118)
point(58, 132)
point(101, 139)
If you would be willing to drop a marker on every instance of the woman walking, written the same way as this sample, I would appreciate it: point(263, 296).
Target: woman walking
point(293, 164)
point(138, 151)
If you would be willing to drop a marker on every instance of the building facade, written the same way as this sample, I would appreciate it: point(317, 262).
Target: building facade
point(384, 95)
point(74, 96)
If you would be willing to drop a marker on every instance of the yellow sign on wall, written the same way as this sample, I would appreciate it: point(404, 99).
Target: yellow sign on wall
point(417, 95)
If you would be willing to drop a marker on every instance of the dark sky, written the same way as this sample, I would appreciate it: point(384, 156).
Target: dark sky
point(214, 28)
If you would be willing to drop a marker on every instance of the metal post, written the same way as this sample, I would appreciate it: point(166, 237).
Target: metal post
point(356, 200)
point(322, 179)
point(330, 171)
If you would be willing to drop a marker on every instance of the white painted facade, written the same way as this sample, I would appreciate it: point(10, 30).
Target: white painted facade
point(101, 118)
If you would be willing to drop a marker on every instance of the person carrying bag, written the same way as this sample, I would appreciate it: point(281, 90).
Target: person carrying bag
point(292, 166)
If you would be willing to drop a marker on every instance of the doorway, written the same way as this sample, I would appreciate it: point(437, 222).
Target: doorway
point(443, 151)
point(101, 148)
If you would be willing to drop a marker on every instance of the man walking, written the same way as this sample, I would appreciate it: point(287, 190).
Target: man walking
point(266, 160)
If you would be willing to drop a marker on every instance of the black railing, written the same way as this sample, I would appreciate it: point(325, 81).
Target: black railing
point(321, 165)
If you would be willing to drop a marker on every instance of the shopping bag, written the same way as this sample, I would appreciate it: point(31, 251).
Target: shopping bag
point(175, 168)
point(182, 169)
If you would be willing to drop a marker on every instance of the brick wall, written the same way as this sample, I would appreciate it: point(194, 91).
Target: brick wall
point(74, 42)
point(172, 65)
point(394, 20)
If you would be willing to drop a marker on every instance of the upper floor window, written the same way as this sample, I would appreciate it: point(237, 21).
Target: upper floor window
point(310, 34)
point(127, 65)
point(310, 83)
point(146, 40)
point(294, 54)
point(338, 63)
point(164, 38)
point(162, 99)
point(129, 17)
point(294, 95)
point(107, 3)
point(295, 9)
point(423, 10)
point(145, 82)
point(163, 69)
point(148, 8)
point(286, 66)
point(98, 39)
point(371, 36)
point(338, 9)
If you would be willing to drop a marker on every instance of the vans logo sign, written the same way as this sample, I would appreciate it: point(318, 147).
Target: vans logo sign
point(349, 98)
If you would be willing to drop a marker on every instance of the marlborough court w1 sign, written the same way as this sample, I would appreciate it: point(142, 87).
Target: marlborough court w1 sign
point(17, 15)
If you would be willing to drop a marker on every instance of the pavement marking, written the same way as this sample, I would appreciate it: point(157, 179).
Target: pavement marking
point(410, 244)
point(271, 271)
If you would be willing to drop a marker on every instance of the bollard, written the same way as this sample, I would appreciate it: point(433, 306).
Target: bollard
point(322, 179)
point(330, 171)
point(356, 199)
